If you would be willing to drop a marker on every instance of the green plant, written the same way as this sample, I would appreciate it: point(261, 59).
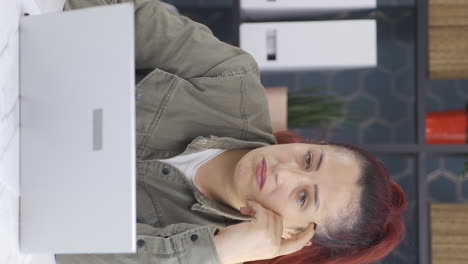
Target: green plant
point(307, 108)
point(464, 172)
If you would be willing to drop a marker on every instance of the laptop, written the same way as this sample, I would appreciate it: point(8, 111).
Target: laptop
point(77, 131)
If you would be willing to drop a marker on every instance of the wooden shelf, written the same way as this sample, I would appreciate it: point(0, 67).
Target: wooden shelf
point(449, 233)
point(448, 39)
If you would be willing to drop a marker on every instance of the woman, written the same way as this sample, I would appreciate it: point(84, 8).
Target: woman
point(216, 186)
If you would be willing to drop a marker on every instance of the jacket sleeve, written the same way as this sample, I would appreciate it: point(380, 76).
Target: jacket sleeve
point(174, 244)
point(173, 43)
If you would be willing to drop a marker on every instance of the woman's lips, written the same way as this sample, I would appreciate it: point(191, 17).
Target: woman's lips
point(261, 174)
point(264, 173)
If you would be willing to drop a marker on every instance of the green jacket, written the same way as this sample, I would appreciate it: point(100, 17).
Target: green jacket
point(196, 93)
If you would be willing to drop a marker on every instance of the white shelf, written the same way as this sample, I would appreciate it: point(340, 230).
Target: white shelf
point(274, 9)
point(284, 46)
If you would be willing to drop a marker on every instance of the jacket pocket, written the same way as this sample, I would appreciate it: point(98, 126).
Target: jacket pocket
point(155, 91)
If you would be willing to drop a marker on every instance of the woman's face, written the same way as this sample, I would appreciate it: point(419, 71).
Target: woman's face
point(305, 183)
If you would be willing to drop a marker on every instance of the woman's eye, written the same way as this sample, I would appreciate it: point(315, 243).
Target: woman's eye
point(302, 198)
point(308, 160)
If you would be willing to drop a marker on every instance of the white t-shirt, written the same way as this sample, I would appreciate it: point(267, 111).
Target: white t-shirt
point(189, 164)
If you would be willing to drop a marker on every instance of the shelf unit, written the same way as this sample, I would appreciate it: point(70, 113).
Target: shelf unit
point(276, 46)
point(278, 9)
point(420, 150)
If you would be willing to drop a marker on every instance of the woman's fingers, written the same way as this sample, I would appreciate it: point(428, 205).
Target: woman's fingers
point(296, 243)
point(261, 214)
point(278, 226)
point(271, 226)
point(258, 212)
point(272, 222)
point(264, 217)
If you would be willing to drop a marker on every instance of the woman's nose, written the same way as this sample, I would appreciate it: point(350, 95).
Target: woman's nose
point(286, 174)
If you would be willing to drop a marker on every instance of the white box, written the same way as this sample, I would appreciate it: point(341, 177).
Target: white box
point(274, 9)
point(283, 46)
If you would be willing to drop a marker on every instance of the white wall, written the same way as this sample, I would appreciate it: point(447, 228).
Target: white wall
point(10, 12)
point(9, 133)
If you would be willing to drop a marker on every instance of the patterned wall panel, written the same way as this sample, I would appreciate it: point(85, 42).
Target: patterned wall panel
point(445, 179)
point(381, 98)
point(402, 171)
point(445, 95)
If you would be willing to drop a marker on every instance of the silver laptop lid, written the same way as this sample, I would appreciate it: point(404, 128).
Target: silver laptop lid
point(77, 116)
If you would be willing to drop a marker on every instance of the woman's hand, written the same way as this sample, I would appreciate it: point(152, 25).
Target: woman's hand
point(259, 238)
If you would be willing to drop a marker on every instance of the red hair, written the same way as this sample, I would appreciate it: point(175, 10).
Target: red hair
point(374, 235)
